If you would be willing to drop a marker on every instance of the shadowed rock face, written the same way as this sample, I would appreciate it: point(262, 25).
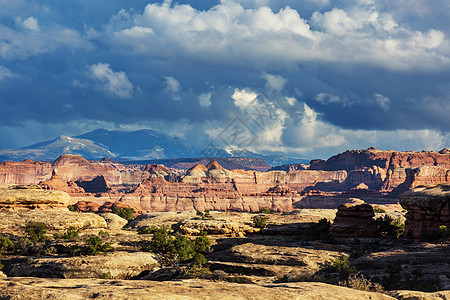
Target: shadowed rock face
point(354, 221)
point(428, 208)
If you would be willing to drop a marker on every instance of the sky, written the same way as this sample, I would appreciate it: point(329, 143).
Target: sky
point(305, 78)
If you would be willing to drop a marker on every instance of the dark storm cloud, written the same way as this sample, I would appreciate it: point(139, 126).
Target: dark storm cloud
point(337, 72)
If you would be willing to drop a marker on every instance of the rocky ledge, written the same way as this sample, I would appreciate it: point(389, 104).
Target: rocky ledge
point(428, 208)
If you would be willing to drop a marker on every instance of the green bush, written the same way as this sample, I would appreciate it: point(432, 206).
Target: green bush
point(260, 221)
point(389, 227)
point(103, 233)
point(443, 233)
point(125, 212)
point(95, 244)
point(205, 215)
point(71, 208)
point(343, 266)
point(378, 209)
point(72, 234)
point(5, 244)
point(147, 230)
point(265, 210)
point(319, 231)
point(36, 231)
point(180, 248)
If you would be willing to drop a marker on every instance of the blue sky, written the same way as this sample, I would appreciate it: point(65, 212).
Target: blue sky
point(335, 75)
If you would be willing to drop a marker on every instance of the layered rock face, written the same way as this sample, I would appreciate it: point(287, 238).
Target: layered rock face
point(25, 172)
point(428, 208)
point(354, 221)
point(32, 197)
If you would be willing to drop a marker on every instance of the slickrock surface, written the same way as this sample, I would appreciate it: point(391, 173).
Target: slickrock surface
point(32, 288)
point(116, 265)
point(14, 221)
point(113, 221)
point(428, 208)
point(354, 221)
point(32, 197)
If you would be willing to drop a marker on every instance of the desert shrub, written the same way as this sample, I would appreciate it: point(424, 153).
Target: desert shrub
point(106, 275)
point(259, 221)
point(103, 233)
point(443, 233)
point(389, 227)
point(71, 208)
point(378, 209)
point(95, 244)
point(147, 230)
point(5, 244)
point(359, 282)
point(125, 212)
point(343, 266)
point(36, 231)
point(202, 244)
point(162, 241)
point(265, 210)
point(72, 234)
point(180, 248)
point(319, 231)
point(205, 215)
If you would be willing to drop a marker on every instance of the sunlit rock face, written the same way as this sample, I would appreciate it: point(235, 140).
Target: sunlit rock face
point(428, 209)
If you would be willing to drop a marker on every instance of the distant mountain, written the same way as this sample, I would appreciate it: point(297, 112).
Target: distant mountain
point(140, 145)
point(49, 150)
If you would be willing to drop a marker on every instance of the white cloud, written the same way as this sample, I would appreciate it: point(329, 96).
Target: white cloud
point(31, 23)
point(243, 98)
point(382, 101)
point(5, 73)
point(291, 100)
point(326, 98)
point(171, 84)
point(205, 100)
point(230, 32)
point(274, 82)
point(114, 83)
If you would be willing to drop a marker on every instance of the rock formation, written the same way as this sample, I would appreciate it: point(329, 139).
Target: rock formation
point(354, 221)
point(24, 172)
point(57, 184)
point(32, 197)
point(428, 208)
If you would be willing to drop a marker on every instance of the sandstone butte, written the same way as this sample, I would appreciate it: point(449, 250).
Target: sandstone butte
point(428, 209)
point(371, 175)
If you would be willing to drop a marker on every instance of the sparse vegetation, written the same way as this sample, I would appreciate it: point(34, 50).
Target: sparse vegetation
point(5, 245)
point(260, 221)
point(319, 231)
point(378, 209)
point(265, 210)
point(93, 246)
point(343, 266)
point(389, 227)
point(205, 215)
point(147, 230)
point(71, 234)
point(36, 232)
point(443, 232)
point(359, 282)
point(124, 212)
point(71, 208)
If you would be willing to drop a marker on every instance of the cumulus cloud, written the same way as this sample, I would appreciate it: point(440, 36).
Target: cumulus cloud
point(204, 100)
point(114, 83)
point(291, 100)
point(382, 101)
point(243, 98)
point(326, 98)
point(31, 23)
point(230, 30)
point(274, 82)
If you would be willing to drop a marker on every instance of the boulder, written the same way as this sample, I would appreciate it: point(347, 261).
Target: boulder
point(113, 221)
point(16, 197)
point(354, 221)
point(86, 206)
point(116, 265)
point(428, 208)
